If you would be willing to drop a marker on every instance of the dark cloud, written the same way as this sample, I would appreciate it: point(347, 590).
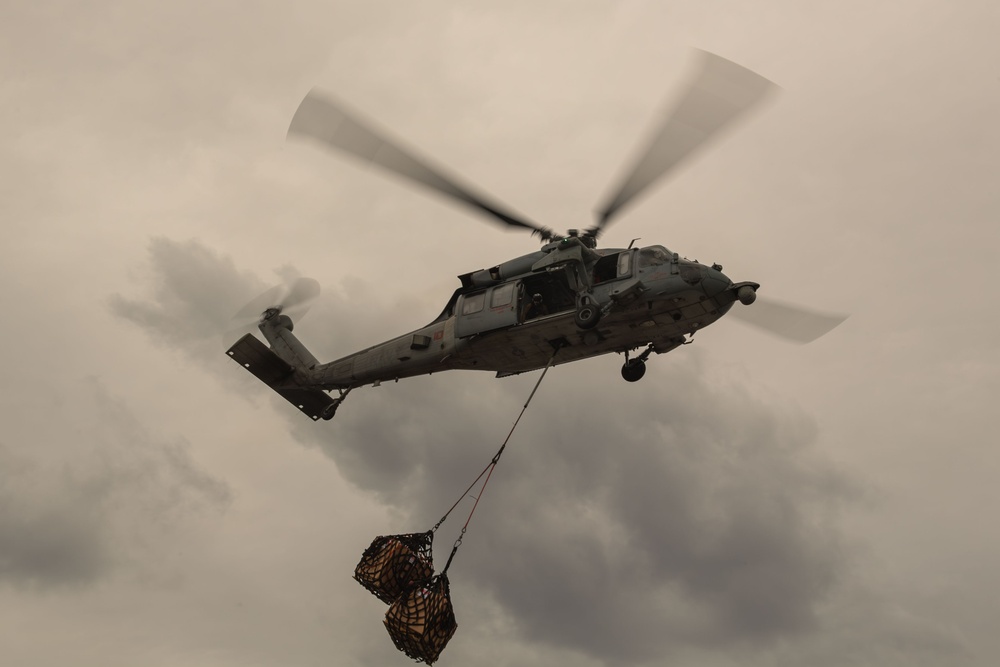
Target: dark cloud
point(46, 540)
point(191, 285)
point(625, 521)
point(196, 292)
point(109, 500)
point(682, 513)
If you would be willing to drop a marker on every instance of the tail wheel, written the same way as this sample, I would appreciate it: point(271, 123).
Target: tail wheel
point(633, 370)
point(330, 410)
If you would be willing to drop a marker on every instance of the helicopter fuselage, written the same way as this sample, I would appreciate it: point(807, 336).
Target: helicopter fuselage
point(651, 297)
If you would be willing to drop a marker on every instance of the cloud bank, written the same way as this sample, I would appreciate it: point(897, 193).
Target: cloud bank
point(113, 500)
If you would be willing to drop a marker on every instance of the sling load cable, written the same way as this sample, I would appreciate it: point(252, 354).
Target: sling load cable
point(488, 471)
point(398, 570)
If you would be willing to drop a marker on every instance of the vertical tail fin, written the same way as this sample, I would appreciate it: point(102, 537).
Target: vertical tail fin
point(277, 329)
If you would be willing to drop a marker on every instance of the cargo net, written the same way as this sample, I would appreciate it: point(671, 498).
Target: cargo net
point(398, 569)
point(421, 621)
point(394, 563)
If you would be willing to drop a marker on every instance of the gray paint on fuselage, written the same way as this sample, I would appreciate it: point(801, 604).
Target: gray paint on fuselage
point(669, 310)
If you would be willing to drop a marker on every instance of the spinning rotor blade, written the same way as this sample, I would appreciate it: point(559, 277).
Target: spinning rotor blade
point(790, 322)
point(250, 313)
point(300, 293)
point(720, 92)
point(328, 122)
point(291, 299)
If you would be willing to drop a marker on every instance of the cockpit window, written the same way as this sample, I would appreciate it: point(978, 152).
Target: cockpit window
point(654, 255)
point(624, 264)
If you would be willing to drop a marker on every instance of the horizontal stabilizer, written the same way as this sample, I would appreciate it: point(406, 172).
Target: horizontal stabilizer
point(260, 360)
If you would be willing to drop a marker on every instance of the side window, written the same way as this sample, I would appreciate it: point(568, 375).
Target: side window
point(624, 263)
point(473, 303)
point(502, 295)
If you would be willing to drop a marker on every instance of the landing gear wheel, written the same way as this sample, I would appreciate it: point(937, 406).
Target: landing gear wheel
point(330, 410)
point(587, 316)
point(633, 370)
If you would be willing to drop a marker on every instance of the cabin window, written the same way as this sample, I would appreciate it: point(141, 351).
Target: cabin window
point(473, 303)
point(502, 296)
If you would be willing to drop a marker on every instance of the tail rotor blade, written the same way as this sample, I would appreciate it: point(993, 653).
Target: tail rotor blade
point(302, 291)
point(250, 313)
point(291, 299)
point(720, 92)
point(328, 122)
point(792, 323)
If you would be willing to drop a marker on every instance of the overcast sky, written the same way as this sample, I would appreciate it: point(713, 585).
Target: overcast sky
point(749, 502)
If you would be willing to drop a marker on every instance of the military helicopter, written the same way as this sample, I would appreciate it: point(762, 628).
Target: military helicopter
point(570, 298)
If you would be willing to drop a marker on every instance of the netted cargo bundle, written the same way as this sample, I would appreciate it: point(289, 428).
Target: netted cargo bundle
point(422, 621)
point(394, 563)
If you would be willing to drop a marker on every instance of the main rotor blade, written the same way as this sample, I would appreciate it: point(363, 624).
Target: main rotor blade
point(719, 93)
point(793, 323)
point(328, 122)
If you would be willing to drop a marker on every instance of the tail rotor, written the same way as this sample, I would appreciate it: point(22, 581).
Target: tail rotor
point(291, 299)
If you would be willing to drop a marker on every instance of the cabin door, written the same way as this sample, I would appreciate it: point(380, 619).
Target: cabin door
point(492, 308)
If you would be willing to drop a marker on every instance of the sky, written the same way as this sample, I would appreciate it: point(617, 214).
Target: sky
point(748, 502)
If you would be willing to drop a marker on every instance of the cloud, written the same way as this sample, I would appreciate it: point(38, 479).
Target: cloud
point(191, 287)
point(686, 514)
point(108, 502)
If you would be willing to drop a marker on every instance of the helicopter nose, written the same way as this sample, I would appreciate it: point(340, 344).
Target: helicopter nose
point(714, 281)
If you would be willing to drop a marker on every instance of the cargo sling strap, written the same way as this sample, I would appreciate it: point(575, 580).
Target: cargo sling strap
point(488, 470)
point(398, 570)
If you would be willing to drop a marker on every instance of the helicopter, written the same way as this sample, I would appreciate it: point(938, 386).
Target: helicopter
point(567, 301)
